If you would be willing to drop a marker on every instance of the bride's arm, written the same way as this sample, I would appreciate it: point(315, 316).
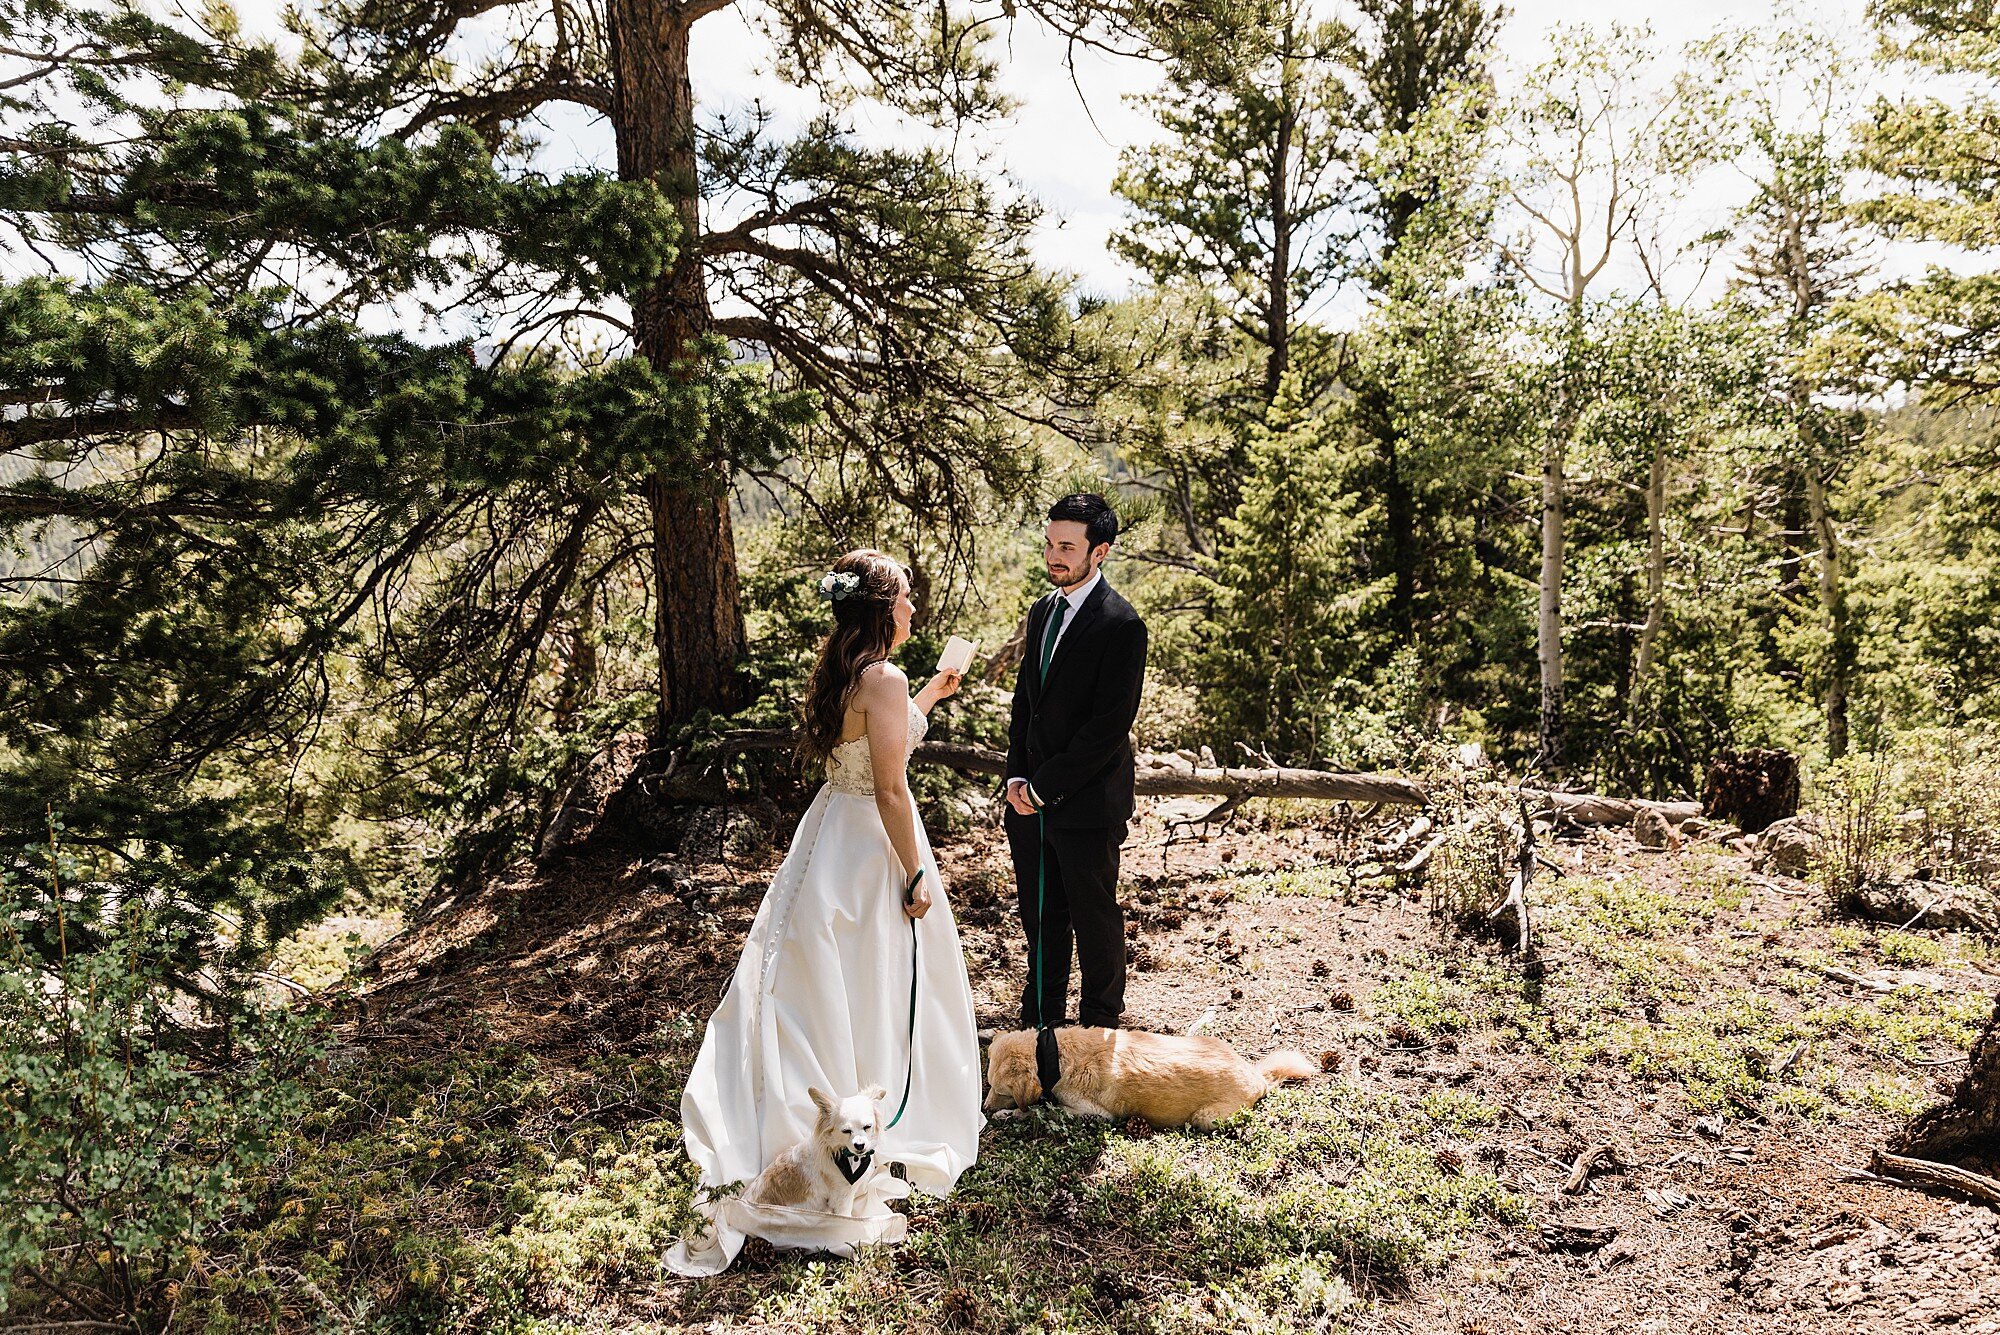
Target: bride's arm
point(942, 686)
point(884, 696)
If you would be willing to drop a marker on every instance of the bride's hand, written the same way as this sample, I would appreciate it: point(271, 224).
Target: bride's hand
point(940, 687)
point(919, 902)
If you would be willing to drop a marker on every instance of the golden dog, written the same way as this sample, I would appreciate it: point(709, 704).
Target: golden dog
point(1165, 1078)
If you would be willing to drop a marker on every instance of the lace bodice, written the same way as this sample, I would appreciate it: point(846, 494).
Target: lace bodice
point(849, 769)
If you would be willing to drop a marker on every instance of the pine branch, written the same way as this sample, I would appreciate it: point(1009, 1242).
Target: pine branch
point(489, 110)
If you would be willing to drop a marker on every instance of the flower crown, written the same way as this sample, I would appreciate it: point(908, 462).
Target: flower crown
point(840, 584)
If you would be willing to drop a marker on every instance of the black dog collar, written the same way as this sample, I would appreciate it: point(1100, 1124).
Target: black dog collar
point(851, 1165)
point(1048, 1061)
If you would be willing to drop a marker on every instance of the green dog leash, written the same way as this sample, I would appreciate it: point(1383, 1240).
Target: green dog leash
point(910, 1069)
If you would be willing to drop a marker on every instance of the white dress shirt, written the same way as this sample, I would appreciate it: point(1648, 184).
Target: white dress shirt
point(1075, 598)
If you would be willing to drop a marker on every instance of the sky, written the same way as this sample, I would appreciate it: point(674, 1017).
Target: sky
point(1063, 143)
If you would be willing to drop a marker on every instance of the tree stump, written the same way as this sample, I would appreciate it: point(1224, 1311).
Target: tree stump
point(1968, 1127)
point(1752, 787)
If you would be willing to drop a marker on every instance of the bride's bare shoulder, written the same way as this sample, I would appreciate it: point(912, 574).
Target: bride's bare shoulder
point(881, 684)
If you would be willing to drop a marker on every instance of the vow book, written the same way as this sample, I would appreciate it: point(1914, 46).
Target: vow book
point(957, 655)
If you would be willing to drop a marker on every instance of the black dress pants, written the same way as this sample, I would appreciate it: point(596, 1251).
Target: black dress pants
point(1077, 875)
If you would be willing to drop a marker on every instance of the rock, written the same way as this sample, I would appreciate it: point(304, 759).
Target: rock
point(583, 806)
point(1651, 829)
point(1788, 847)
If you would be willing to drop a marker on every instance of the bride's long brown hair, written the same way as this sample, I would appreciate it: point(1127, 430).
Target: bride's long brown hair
point(864, 630)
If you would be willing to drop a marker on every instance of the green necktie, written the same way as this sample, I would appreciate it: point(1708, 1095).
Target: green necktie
point(1055, 629)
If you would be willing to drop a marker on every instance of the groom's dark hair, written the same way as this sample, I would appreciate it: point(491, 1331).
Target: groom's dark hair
point(1100, 523)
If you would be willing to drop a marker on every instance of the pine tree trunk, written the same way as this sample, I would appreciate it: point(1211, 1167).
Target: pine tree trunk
point(1400, 519)
point(1969, 1125)
point(1278, 317)
point(697, 600)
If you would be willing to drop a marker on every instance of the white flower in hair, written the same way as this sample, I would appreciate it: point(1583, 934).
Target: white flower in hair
point(838, 585)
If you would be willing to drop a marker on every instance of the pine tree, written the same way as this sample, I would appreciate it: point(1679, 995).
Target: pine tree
point(1792, 96)
point(894, 284)
point(1290, 616)
point(1243, 197)
point(1422, 105)
point(239, 484)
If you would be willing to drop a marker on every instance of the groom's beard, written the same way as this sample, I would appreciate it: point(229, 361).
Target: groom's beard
point(1068, 579)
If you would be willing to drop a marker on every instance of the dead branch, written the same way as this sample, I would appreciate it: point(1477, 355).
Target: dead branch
point(1517, 885)
point(1941, 1176)
point(1579, 1172)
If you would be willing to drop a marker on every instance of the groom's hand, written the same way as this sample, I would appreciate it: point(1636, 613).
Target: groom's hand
point(1017, 797)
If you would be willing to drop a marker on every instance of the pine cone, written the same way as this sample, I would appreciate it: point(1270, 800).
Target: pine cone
point(1138, 1127)
point(1342, 1000)
point(1329, 1060)
point(1064, 1210)
point(959, 1308)
point(1449, 1161)
point(1319, 969)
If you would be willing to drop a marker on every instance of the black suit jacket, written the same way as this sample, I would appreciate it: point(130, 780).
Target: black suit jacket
point(1071, 736)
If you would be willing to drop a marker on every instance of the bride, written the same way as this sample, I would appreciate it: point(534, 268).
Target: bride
point(824, 994)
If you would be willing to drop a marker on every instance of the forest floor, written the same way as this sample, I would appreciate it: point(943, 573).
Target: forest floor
point(498, 1139)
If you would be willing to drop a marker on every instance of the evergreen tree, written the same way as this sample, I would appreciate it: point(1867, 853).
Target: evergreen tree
point(1288, 608)
point(1244, 195)
point(239, 483)
point(893, 283)
point(1789, 96)
point(1423, 98)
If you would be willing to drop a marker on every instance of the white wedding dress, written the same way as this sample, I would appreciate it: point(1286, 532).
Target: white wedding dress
point(821, 997)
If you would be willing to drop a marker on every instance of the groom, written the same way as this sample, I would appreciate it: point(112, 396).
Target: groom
point(1070, 768)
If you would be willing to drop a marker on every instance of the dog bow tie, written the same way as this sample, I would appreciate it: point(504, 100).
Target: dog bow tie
point(852, 1165)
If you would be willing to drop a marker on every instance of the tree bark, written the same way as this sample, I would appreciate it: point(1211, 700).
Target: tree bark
point(1969, 1125)
point(697, 598)
point(1548, 624)
point(1399, 517)
point(1278, 318)
point(1833, 604)
point(1656, 580)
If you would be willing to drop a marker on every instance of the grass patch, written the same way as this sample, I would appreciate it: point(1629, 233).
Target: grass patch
point(483, 1191)
point(1316, 882)
point(1909, 949)
point(1440, 994)
point(1283, 1219)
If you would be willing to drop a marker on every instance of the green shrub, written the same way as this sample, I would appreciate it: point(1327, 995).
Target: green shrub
point(125, 1139)
point(1930, 802)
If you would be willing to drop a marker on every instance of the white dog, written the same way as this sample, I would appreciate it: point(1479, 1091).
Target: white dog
point(826, 1170)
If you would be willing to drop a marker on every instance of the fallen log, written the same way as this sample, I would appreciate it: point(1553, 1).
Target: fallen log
point(1595, 809)
point(1161, 777)
point(1158, 776)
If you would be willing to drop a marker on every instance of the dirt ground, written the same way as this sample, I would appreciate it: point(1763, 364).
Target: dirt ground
point(1745, 1218)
